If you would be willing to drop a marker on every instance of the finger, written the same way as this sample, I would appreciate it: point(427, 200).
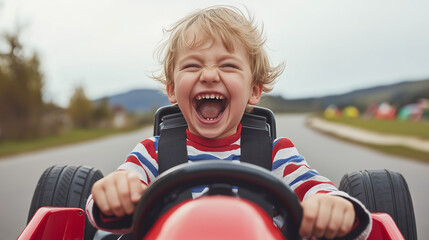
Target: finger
point(323, 217)
point(348, 221)
point(136, 187)
point(309, 214)
point(122, 187)
point(335, 223)
point(112, 196)
point(100, 199)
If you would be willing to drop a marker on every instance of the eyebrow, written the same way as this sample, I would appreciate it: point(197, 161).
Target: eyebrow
point(221, 57)
point(190, 56)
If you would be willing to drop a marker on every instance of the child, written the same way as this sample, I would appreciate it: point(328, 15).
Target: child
point(215, 67)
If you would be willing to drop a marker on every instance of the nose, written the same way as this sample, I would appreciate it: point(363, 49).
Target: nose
point(210, 75)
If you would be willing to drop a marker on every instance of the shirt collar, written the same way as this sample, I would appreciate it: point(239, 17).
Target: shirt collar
point(216, 142)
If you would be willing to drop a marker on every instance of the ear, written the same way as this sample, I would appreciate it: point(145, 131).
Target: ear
point(255, 94)
point(170, 93)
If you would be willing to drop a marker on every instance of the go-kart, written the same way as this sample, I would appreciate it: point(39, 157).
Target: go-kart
point(56, 210)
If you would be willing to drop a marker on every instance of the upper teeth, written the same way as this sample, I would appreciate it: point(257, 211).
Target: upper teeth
point(210, 96)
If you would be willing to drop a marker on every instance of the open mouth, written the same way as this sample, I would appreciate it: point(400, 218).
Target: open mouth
point(210, 106)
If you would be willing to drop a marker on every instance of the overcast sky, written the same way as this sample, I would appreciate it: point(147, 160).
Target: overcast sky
point(329, 46)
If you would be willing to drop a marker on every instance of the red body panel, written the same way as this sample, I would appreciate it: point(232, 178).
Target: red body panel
point(55, 223)
point(384, 228)
point(215, 217)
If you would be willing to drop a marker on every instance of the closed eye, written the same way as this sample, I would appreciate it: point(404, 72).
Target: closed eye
point(188, 66)
point(230, 66)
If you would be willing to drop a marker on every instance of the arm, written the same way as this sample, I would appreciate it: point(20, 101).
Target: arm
point(326, 211)
point(114, 197)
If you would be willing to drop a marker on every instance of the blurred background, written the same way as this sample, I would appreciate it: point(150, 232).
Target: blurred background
point(78, 70)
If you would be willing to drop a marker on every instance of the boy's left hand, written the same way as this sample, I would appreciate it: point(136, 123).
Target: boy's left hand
point(326, 216)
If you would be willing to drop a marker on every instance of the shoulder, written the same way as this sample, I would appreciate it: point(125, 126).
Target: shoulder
point(148, 145)
point(284, 148)
point(281, 143)
point(151, 142)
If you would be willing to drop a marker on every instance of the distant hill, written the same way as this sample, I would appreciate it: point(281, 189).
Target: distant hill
point(140, 100)
point(399, 94)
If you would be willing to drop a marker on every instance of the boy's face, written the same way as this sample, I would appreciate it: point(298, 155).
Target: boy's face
point(213, 87)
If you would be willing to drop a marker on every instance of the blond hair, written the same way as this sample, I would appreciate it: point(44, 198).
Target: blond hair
point(229, 24)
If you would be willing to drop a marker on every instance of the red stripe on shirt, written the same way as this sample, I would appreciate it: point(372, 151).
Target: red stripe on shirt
point(282, 143)
point(292, 168)
point(212, 149)
point(147, 177)
point(150, 147)
point(307, 185)
point(323, 191)
point(134, 159)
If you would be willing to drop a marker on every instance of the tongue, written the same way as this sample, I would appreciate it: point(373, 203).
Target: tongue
point(210, 109)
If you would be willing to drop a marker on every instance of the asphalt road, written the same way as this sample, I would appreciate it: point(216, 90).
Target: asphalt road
point(19, 174)
point(331, 157)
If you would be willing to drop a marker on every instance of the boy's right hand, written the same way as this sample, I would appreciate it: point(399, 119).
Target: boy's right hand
point(118, 193)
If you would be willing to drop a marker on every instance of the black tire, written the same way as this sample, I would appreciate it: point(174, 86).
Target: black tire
point(383, 191)
point(65, 186)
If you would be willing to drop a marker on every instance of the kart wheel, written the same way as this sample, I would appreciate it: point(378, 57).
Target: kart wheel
point(65, 186)
point(383, 191)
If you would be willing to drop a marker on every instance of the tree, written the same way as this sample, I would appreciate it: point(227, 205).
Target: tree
point(80, 109)
point(21, 84)
point(103, 113)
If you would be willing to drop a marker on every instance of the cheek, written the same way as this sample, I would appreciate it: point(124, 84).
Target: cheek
point(183, 86)
point(240, 89)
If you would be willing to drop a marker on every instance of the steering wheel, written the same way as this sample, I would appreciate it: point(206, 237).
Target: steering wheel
point(168, 186)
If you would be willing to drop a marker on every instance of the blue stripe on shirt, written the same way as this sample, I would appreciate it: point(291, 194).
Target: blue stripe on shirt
point(155, 143)
point(305, 176)
point(294, 159)
point(275, 141)
point(146, 162)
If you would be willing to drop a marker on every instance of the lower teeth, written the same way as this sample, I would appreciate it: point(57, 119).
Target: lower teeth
point(210, 119)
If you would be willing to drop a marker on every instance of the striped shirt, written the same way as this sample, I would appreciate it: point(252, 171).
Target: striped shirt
point(287, 164)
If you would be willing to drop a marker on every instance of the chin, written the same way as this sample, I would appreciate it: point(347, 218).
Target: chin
point(210, 135)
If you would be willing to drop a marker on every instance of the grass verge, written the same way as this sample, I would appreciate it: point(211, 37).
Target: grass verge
point(402, 151)
point(8, 148)
point(403, 128)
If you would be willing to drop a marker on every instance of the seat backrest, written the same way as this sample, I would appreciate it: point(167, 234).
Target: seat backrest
point(173, 115)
